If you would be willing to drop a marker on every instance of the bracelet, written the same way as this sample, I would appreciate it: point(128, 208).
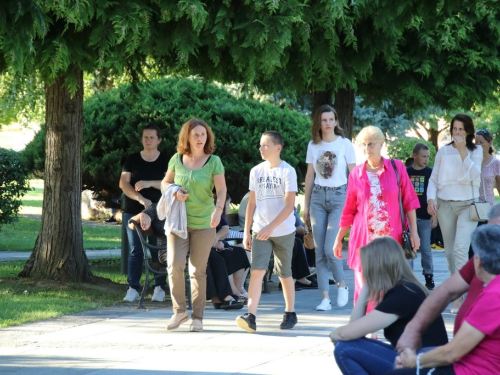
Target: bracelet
point(419, 367)
point(220, 208)
point(418, 363)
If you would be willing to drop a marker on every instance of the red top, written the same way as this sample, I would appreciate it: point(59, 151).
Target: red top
point(475, 288)
point(357, 203)
point(483, 316)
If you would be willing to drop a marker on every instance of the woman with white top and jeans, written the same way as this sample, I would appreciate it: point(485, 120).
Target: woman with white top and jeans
point(329, 155)
point(453, 186)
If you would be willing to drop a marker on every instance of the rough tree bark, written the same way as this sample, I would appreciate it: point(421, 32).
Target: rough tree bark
point(58, 252)
point(434, 137)
point(320, 98)
point(344, 105)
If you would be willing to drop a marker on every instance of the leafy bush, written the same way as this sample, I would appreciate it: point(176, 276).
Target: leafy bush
point(33, 156)
point(113, 120)
point(14, 184)
point(402, 149)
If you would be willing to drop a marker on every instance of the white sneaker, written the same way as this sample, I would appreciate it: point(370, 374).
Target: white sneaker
point(343, 296)
point(158, 295)
point(132, 295)
point(324, 305)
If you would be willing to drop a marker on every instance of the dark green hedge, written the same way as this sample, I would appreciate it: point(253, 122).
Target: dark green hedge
point(114, 118)
point(14, 184)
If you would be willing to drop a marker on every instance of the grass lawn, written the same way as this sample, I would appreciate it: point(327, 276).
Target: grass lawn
point(21, 235)
point(26, 300)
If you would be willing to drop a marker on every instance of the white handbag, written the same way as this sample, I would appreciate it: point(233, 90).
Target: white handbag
point(478, 211)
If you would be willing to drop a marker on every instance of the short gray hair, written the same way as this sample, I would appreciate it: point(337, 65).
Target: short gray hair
point(486, 245)
point(494, 213)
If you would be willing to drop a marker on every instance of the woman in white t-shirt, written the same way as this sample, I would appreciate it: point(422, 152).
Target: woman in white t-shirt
point(453, 186)
point(329, 155)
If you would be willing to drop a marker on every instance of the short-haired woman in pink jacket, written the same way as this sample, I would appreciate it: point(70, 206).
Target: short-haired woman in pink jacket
point(372, 204)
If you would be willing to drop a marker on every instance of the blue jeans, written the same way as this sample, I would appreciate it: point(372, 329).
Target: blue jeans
point(424, 232)
point(364, 356)
point(325, 210)
point(136, 256)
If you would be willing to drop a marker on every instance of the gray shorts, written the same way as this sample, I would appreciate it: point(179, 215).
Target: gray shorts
point(283, 249)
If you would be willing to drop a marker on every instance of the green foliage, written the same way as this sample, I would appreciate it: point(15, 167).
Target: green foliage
point(392, 120)
point(447, 55)
point(402, 149)
point(489, 118)
point(14, 184)
point(33, 155)
point(113, 120)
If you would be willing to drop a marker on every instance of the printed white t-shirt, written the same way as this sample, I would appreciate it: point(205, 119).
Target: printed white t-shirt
point(270, 186)
point(330, 160)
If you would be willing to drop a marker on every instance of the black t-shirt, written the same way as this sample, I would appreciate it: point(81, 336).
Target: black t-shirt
point(147, 171)
point(404, 300)
point(420, 181)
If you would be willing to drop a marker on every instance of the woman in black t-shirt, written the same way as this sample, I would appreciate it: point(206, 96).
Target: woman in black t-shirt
point(140, 182)
point(391, 286)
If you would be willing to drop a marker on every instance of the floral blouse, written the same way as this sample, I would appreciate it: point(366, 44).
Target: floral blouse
point(488, 176)
point(378, 217)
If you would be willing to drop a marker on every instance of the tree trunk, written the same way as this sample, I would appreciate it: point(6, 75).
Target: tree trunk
point(433, 137)
point(344, 106)
point(320, 98)
point(58, 252)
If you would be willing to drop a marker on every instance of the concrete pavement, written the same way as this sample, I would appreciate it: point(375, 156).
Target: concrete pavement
point(123, 340)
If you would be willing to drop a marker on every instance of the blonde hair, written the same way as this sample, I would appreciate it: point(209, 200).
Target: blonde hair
point(384, 266)
point(183, 146)
point(370, 132)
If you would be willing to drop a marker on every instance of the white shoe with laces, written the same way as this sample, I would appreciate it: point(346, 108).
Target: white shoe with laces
point(343, 296)
point(132, 295)
point(324, 305)
point(158, 295)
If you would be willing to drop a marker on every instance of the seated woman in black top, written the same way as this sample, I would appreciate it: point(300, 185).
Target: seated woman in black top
point(390, 286)
point(224, 261)
point(219, 266)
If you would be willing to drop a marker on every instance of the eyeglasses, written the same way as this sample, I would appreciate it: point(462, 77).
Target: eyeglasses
point(369, 145)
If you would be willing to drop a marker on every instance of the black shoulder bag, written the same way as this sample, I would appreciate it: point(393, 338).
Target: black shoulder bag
point(408, 250)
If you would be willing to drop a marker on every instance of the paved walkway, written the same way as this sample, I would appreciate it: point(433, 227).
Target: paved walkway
point(123, 340)
point(91, 254)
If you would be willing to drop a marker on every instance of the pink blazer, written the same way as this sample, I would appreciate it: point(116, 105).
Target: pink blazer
point(356, 206)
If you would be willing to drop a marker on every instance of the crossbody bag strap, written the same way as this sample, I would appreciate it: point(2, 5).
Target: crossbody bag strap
point(399, 196)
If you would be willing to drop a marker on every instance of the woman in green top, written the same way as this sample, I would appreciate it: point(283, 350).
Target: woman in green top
point(197, 172)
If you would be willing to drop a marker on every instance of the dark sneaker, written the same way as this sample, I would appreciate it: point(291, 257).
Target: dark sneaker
point(247, 322)
point(231, 305)
point(429, 282)
point(111, 220)
point(312, 285)
point(289, 320)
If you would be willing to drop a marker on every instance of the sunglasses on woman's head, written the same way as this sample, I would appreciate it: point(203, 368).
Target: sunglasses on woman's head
point(485, 134)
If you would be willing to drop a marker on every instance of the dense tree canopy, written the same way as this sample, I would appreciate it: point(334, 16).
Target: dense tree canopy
point(414, 52)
